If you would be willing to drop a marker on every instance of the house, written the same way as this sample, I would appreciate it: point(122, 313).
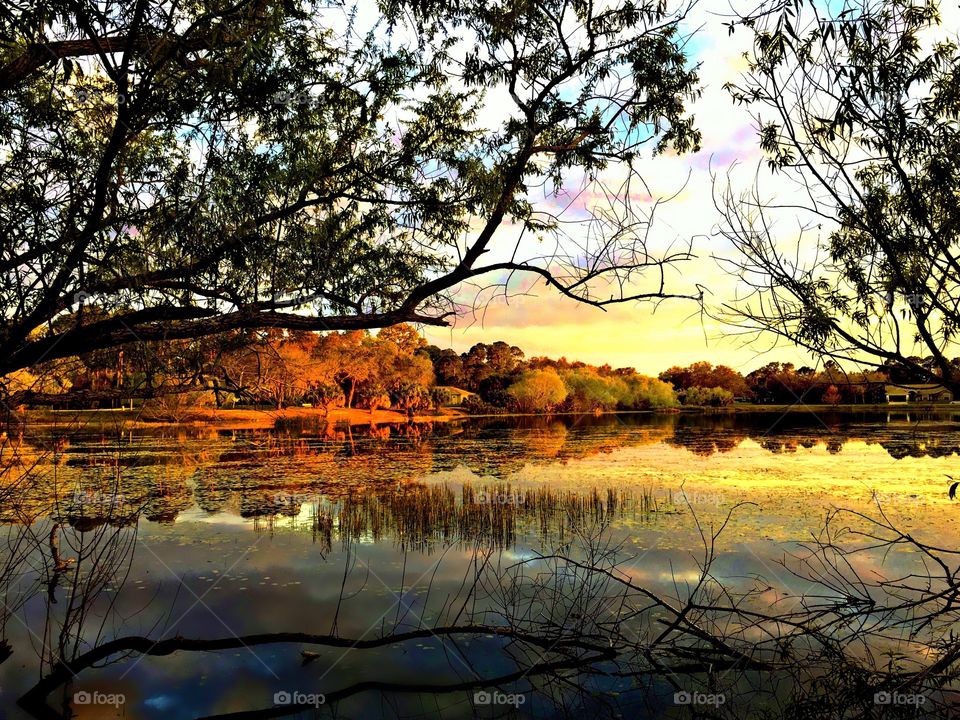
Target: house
point(917, 392)
point(452, 396)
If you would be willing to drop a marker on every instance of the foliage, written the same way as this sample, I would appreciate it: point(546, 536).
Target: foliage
point(538, 391)
point(857, 103)
point(48, 381)
point(179, 406)
point(411, 396)
point(448, 366)
point(475, 405)
point(707, 397)
point(373, 395)
point(404, 336)
point(277, 368)
point(783, 384)
point(646, 393)
point(179, 170)
point(588, 391)
point(705, 375)
point(831, 396)
point(326, 395)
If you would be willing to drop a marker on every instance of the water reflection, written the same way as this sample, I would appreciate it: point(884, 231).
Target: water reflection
point(396, 571)
point(570, 629)
point(164, 473)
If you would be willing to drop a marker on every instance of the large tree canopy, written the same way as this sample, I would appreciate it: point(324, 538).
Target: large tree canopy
point(858, 104)
point(172, 170)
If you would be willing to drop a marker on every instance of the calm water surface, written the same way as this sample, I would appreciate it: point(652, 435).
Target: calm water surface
point(359, 533)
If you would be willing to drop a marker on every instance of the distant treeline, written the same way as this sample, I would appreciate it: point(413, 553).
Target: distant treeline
point(397, 369)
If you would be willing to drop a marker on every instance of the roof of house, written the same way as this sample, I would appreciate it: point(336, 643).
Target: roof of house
point(906, 387)
point(455, 390)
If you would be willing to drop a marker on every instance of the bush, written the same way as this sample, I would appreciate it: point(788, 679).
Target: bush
point(373, 396)
point(707, 397)
point(475, 405)
point(588, 391)
point(831, 396)
point(538, 390)
point(646, 393)
point(494, 390)
point(179, 406)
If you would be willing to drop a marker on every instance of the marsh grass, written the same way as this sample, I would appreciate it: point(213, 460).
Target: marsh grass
point(421, 517)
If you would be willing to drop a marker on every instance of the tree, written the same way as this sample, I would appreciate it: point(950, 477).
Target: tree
point(373, 395)
point(857, 103)
point(503, 358)
point(281, 368)
point(704, 375)
point(831, 396)
point(646, 393)
point(448, 366)
point(777, 382)
point(404, 336)
point(351, 358)
point(475, 367)
point(179, 170)
point(411, 396)
point(327, 395)
point(538, 391)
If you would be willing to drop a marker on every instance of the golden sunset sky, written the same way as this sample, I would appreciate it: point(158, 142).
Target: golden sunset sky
point(542, 322)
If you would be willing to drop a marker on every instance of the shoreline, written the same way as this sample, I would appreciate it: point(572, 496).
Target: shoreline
point(256, 419)
point(246, 418)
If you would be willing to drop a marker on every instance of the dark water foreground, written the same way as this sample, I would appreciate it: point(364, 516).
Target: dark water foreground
point(644, 566)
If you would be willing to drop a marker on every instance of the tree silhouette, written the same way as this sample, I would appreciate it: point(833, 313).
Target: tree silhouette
point(856, 104)
point(178, 170)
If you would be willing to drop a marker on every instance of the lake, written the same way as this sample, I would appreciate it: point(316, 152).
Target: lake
point(733, 565)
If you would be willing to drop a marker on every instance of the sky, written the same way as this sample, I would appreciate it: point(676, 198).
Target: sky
point(643, 336)
point(542, 322)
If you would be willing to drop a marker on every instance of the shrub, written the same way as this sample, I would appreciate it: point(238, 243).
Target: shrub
point(646, 393)
point(538, 390)
point(831, 396)
point(589, 391)
point(179, 406)
point(373, 396)
point(707, 397)
point(327, 395)
point(475, 405)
